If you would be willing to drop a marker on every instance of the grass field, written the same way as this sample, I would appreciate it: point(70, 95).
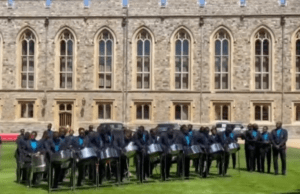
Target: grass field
point(236, 181)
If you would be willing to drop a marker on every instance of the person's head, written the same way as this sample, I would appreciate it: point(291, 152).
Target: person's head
point(108, 130)
point(62, 131)
point(27, 136)
point(190, 127)
point(49, 126)
point(214, 130)
point(255, 126)
point(128, 134)
point(142, 128)
point(152, 132)
point(250, 126)
point(206, 130)
point(139, 132)
point(184, 129)
point(71, 132)
point(265, 129)
point(201, 129)
point(55, 135)
point(45, 135)
point(91, 127)
point(170, 132)
point(81, 132)
point(33, 134)
point(22, 131)
point(278, 125)
point(228, 129)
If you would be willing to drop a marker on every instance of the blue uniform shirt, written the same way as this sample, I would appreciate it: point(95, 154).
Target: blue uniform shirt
point(265, 137)
point(232, 136)
point(254, 133)
point(57, 146)
point(278, 132)
point(80, 141)
point(187, 138)
point(144, 137)
point(33, 144)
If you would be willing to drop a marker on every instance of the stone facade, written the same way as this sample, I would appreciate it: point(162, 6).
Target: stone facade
point(282, 22)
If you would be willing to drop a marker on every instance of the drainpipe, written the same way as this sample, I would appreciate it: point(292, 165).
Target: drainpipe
point(201, 23)
point(125, 65)
point(282, 23)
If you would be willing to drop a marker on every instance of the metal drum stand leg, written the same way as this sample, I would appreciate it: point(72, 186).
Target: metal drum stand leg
point(97, 173)
point(183, 166)
point(142, 179)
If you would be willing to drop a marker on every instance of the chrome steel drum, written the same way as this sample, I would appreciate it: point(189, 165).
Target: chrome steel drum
point(109, 154)
point(233, 147)
point(39, 163)
point(216, 148)
point(154, 150)
point(131, 150)
point(87, 153)
point(61, 156)
point(175, 149)
point(194, 151)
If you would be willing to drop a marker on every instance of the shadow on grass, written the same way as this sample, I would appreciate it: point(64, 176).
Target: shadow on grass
point(293, 192)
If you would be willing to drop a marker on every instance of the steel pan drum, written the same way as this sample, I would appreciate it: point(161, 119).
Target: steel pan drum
point(39, 163)
point(175, 149)
point(87, 153)
point(131, 150)
point(216, 149)
point(233, 148)
point(154, 150)
point(62, 156)
point(109, 154)
point(194, 151)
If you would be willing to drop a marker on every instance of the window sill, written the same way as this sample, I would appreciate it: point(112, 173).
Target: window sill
point(26, 120)
point(263, 122)
point(143, 121)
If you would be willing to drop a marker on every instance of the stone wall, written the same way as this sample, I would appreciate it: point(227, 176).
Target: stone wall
point(162, 23)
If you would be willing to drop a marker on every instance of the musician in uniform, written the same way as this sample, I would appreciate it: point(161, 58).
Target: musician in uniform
point(265, 149)
point(234, 138)
point(79, 143)
point(44, 144)
point(50, 132)
point(57, 145)
point(153, 139)
point(202, 139)
point(224, 139)
point(124, 160)
point(247, 150)
point(279, 138)
point(252, 138)
point(166, 140)
point(141, 139)
point(30, 147)
point(213, 138)
point(185, 140)
point(22, 158)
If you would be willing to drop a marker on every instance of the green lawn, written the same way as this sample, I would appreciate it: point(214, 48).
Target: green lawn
point(235, 182)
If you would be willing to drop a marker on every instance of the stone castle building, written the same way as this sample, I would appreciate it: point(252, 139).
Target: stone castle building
point(145, 63)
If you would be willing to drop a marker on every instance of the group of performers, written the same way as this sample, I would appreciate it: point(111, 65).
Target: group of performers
point(257, 147)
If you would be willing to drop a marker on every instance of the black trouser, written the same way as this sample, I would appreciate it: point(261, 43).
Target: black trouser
point(57, 173)
point(247, 155)
point(257, 158)
point(184, 162)
point(81, 169)
point(265, 152)
point(196, 164)
point(252, 157)
point(282, 153)
point(123, 166)
point(224, 162)
point(142, 165)
point(165, 165)
point(233, 156)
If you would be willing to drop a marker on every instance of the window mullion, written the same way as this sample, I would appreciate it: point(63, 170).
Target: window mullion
point(181, 65)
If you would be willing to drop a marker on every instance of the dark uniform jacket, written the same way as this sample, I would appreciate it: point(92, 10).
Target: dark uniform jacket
point(224, 139)
point(200, 139)
point(166, 141)
point(79, 143)
point(57, 145)
point(213, 139)
point(97, 141)
point(142, 142)
point(279, 138)
point(252, 140)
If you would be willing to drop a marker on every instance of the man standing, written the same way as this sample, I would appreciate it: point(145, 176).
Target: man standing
point(265, 149)
point(252, 137)
point(247, 155)
point(279, 137)
point(234, 139)
point(50, 132)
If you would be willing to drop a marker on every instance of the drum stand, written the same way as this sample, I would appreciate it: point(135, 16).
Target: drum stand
point(183, 166)
point(239, 163)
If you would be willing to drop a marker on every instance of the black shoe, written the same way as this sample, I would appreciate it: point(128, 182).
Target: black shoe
point(284, 173)
point(276, 173)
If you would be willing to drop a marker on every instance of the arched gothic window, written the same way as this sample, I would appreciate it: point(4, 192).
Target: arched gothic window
point(105, 60)
point(143, 60)
point(298, 61)
point(262, 60)
point(182, 60)
point(66, 42)
point(28, 59)
point(222, 60)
